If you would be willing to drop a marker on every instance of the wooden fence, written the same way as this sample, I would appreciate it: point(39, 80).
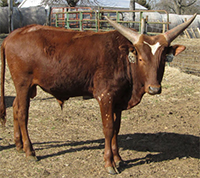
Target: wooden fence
point(192, 33)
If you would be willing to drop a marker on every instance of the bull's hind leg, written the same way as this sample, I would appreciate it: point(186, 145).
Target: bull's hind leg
point(17, 132)
point(21, 108)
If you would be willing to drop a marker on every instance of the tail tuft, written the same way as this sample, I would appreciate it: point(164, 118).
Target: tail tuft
point(2, 99)
point(2, 115)
point(3, 121)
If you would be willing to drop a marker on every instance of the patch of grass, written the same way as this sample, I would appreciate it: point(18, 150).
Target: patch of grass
point(166, 86)
point(189, 90)
point(53, 128)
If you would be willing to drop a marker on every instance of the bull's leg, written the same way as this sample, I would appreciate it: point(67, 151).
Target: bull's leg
point(23, 102)
point(17, 132)
point(106, 108)
point(115, 149)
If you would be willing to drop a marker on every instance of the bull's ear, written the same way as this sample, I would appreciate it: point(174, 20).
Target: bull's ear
point(130, 51)
point(176, 49)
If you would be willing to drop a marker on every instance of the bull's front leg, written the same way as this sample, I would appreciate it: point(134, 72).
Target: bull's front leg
point(106, 107)
point(115, 149)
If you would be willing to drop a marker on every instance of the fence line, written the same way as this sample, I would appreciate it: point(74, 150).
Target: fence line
point(192, 33)
point(94, 19)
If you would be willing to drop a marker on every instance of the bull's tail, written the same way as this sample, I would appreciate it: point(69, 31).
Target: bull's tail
point(2, 99)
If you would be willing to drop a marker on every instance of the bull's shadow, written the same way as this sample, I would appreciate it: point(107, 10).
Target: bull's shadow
point(159, 147)
point(9, 100)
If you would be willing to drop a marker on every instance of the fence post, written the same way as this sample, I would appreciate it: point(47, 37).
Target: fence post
point(67, 20)
point(198, 30)
point(56, 21)
point(143, 26)
point(117, 13)
point(163, 27)
point(81, 21)
point(141, 16)
point(193, 33)
point(10, 15)
point(49, 10)
point(97, 19)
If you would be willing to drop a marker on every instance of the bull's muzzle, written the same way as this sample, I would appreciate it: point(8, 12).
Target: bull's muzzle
point(153, 90)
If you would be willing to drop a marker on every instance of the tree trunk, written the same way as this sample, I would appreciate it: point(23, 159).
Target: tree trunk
point(10, 16)
point(132, 14)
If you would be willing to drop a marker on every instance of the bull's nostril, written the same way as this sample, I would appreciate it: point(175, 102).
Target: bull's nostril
point(154, 90)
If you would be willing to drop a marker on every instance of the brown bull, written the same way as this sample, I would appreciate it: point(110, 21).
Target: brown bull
point(69, 63)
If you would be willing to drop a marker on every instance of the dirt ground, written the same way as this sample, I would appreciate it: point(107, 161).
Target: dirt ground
point(158, 138)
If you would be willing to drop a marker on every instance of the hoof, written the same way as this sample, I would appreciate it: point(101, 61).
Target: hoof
point(3, 122)
point(31, 158)
point(120, 163)
point(20, 150)
point(112, 171)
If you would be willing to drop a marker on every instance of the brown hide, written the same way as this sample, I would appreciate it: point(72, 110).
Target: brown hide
point(65, 63)
point(69, 63)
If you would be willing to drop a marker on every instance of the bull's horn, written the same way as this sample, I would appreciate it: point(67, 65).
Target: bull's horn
point(128, 33)
point(173, 33)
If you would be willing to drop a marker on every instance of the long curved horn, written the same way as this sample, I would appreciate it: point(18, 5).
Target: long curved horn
point(128, 33)
point(173, 33)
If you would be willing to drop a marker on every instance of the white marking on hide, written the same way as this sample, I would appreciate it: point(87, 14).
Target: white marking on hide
point(99, 98)
point(154, 47)
point(34, 28)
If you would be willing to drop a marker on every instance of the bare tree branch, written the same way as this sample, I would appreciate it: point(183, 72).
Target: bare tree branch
point(177, 6)
point(189, 4)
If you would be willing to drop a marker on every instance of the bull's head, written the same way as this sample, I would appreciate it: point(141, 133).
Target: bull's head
point(151, 52)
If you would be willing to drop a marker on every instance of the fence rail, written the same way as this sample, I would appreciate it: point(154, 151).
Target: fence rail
point(94, 19)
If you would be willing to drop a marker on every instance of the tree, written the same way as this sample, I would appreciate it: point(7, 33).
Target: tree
point(144, 3)
point(176, 6)
point(132, 14)
point(71, 3)
point(195, 8)
point(4, 3)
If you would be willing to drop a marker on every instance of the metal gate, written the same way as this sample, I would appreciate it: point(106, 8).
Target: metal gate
point(84, 19)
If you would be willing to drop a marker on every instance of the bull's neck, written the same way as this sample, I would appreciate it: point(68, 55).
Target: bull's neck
point(137, 87)
point(134, 78)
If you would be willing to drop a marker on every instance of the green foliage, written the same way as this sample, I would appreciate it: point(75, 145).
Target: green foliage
point(4, 3)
